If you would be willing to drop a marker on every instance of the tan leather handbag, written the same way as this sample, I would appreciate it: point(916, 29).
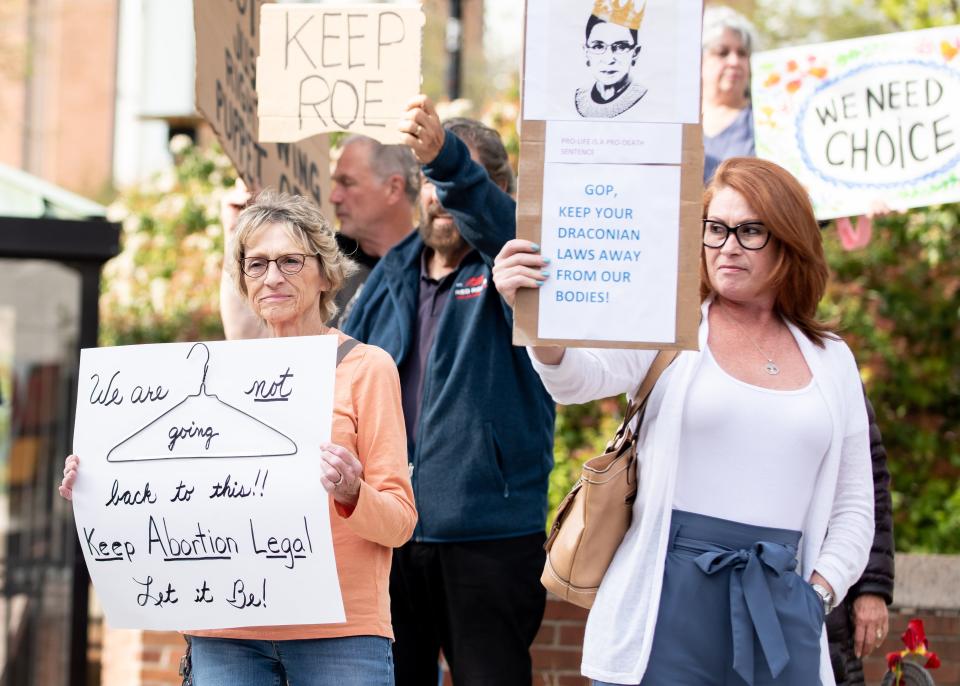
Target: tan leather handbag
point(594, 517)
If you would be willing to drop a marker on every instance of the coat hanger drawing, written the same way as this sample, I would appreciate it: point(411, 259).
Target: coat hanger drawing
point(195, 428)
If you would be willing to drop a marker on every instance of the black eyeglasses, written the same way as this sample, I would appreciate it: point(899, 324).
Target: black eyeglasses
point(750, 235)
point(255, 267)
point(620, 48)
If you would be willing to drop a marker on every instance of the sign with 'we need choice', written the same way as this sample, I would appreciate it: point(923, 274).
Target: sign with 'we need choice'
point(866, 120)
point(198, 501)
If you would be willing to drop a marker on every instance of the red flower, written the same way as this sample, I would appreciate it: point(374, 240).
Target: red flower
point(915, 637)
point(917, 646)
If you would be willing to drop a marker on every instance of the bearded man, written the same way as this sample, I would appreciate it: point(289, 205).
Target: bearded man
point(479, 422)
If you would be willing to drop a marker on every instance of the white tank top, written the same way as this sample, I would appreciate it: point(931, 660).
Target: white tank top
point(750, 454)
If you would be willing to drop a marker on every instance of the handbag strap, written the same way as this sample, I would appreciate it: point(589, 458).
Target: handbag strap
point(344, 349)
point(639, 400)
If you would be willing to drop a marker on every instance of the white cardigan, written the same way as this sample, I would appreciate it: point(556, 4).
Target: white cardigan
point(837, 533)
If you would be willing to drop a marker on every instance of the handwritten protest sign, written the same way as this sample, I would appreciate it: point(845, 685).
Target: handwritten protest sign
point(615, 206)
point(198, 502)
point(864, 120)
point(227, 34)
point(327, 68)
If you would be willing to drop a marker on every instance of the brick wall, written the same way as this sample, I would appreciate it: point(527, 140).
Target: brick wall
point(556, 651)
point(151, 658)
point(58, 81)
point(141, 658)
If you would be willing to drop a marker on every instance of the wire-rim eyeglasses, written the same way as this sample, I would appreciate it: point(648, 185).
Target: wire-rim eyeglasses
point(289, 264)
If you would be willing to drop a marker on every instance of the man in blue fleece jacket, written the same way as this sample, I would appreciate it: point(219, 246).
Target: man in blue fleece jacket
point(479, 422)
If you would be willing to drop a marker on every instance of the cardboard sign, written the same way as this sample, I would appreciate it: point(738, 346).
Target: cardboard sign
point(570, 60)
point(327, 68)
point(864, 120)
point(7, 331)
point(198, 500)
point(227, 34)
point(615, 206)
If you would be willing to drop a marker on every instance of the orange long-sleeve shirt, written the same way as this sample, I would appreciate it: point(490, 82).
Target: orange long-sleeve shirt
point(368, 421)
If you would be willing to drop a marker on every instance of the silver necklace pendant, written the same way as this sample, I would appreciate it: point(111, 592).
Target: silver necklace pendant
point(772, 369)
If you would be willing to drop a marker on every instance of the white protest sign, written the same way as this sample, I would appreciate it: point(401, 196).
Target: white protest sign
point(328, 68)
point(198, 502)
point(864, 120)
point(610, 182)
point(613, 242)
point(603, 143)
point(640, 63)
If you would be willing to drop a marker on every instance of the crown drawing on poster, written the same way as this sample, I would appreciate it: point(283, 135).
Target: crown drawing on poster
point(621, 12)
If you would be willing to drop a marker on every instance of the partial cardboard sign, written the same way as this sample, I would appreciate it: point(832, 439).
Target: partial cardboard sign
point(570, 59)
point(328, 68)
point(615, 206)
point(198, 501)
point(228, 41)
point(7, 340)
point(864, 120)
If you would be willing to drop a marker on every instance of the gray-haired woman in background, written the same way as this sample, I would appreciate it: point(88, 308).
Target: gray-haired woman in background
point(728, 41)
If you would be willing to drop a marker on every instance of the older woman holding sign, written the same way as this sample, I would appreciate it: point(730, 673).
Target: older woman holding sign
point(289, 268)
point(755, 510)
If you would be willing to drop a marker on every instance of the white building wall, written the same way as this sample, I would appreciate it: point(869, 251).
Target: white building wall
point(155, 80)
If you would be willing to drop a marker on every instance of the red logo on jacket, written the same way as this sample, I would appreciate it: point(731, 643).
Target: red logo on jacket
point(471, 288)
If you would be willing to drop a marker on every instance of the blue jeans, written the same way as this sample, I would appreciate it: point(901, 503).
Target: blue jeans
point(348, 661)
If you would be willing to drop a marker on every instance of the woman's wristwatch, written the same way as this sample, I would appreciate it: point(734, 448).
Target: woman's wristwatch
point(826, 597)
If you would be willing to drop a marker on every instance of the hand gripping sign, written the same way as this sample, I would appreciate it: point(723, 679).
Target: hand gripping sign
point(198, 501)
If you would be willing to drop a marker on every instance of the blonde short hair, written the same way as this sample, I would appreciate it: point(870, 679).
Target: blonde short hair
point(306, 226)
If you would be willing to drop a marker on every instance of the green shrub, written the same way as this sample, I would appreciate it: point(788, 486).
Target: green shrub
point(164, 284)
point(897, 303)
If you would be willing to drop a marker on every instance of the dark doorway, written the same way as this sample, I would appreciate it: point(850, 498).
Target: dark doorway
point(49, 289)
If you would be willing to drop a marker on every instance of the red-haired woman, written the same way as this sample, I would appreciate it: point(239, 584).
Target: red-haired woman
point(755, 513)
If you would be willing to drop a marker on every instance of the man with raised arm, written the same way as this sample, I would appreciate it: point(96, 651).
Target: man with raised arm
point(479, 422)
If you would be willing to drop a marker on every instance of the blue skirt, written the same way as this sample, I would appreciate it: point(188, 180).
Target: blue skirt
point(733, 610)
